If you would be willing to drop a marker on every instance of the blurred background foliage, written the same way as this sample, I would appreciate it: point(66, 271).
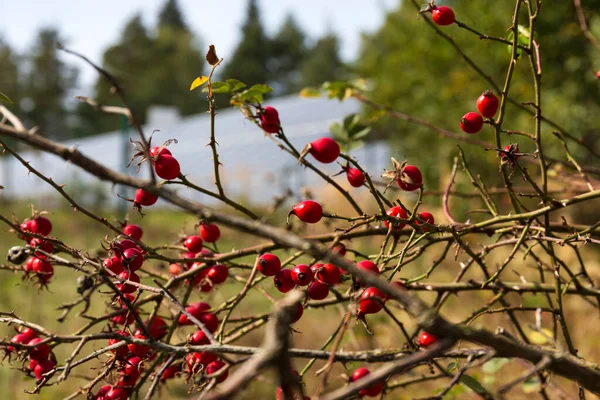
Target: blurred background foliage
point(406, 66)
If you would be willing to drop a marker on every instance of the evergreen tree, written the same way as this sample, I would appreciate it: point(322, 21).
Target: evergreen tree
point(171, 16)
point(249, 60)
point(288, 53)
point(9, 74)
point(323, 62)
point(46, 86)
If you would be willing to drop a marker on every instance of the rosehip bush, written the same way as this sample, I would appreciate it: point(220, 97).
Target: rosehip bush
point(360, 285)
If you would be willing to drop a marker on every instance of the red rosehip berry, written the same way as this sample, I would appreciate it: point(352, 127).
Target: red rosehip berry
point(117, 393)
point(317, 290)
point(113, 264)
point(298, 314)
point(43, 367)
point(328, 273)
point(373, 390)
point(132, 259)
point(269, 264)
point(427, 339)
point(101, 393)
point(42, 245)
point(25, 227)
point(133, 230)
point(308, 211)
point(217, 273)
point(368, 266)
point(198, 339)
point(196, 309)
point(325, 150)
point(426, 217)
point(355, 177)
point(144, 198)
point(210, 321)
point(175, 269)
point(598, 75)
point(123, 245)
point(19, 338)
point(157, 150)
point(157, 328)
point(127, 287)
point(302, 275)
point(371, 301)
point(209, 232)
point(41, 226)
point(397, 212)
point(43, 270)
point(442, 15)
point(131, 372)
point(193, 244)
point(487, 104)
point(138, 349)
point(283, 281)
point(269, 120)
point(471, 122)
point(120, 351)
point(171, 372)
point(196, 361)
point(40, 351)
point(167, 167)
point(215, 367)
point(339, 248)
point(411, 178)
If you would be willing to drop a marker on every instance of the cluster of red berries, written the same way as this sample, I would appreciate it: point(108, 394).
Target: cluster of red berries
point(165, 165)
point(211, 274)
point(38, 264)
point(399, 212)
point(487, 105)
point(41, 360)
point(127, 257)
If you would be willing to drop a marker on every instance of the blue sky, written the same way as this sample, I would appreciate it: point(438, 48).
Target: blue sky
point(89, 26)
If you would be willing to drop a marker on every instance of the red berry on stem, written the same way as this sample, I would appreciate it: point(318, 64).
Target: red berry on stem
point(318, 290)
point(269, 120)
point(355, 177)
point(487, 104)
point(217, 273)
point(411, 178)
point(373, 390)
point(171, 372)
point(135, 231)
point(302, 275)
point(156, 151)
point(471, 122)
point(40, 351)
point(175, 269)
point(298, 314)
point(199, 338)
point(117, 393)
point(426, 217)
point(427, 339)
point(193, 244)
point(167, 167)
point(120, 351)
point(144, 198)
point(308, 211)
point(123, 245)
point(43, 269)
point(339, 248)
point(138, 349)
point(210, 321)
point(329, 274)
point(371, 301)
point(196, 309)
point(215, 367)
point(397, 212)
point(43, 367)
point(283, 281)
point(209, 232)
point(325, 150)
point(269, 264)
point(368, 266)
point(157, 328)
point(41, 226)
point(442, 15)
point(133, 259)
point(127, 287)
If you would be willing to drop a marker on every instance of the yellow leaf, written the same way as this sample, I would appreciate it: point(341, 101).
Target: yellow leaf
point(199, 81)
point(540, 338)
point(309, 92)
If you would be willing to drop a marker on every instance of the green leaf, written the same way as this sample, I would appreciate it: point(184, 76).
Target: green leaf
point(531, 385)
point(5, 98)
point(452, 366)
point(199, 81)
point(494, 365)
point(310, 92)
point(472, 384)
point(235, 85)
point(262, 88)
point(361, 134)
point(220, 87)
point(337, 90)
